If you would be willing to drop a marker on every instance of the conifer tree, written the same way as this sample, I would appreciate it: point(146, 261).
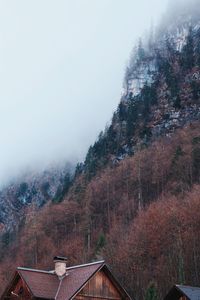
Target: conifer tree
point(197, 48)
point(151, 293)
point(141, 51)
point(188, 52)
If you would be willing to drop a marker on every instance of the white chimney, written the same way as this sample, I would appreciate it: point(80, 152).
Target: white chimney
point(60, 265)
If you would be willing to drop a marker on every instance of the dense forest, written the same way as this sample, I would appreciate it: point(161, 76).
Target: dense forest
point(135, 200)
point(141, 216)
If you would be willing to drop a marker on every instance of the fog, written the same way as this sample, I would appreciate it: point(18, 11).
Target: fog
point(61, 71)
point(182, 6)
point(186, 10)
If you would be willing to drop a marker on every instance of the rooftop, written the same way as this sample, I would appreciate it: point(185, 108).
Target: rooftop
point(47, 285)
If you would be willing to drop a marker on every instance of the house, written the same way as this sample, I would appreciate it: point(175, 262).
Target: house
point(83, 282)
point(183, 292)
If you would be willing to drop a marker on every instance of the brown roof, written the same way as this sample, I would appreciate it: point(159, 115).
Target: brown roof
point(47, 285)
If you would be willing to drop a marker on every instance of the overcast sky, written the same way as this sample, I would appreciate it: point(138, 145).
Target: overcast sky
point(62, 64)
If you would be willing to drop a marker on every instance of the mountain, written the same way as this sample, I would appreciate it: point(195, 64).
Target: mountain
point(33, 188)
point(160, 94)
point(135, 199)
point(141, 214)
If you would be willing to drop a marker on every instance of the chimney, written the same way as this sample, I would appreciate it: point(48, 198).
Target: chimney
point(60, 265)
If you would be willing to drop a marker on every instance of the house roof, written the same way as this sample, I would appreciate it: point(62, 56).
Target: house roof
point(192, 293)
point(47, 285)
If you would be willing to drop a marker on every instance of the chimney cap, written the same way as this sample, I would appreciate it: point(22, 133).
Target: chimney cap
point(60, 258)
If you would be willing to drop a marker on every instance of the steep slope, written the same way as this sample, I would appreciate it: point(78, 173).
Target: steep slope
point(160, 94)
point(135, 199)
point(36, 188)
point(113, 217)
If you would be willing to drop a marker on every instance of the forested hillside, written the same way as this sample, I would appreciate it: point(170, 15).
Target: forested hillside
point(111, 216)
point(135, 200)
point(161, 94)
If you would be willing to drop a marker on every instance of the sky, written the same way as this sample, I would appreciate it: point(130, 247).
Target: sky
point(62, 64)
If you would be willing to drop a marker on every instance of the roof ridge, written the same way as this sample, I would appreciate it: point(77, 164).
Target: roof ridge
point(85, 265)
point(69, 268)
point(189, 286)
point(34, 270)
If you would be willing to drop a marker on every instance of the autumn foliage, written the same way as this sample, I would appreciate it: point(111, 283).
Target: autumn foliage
point(142, 216)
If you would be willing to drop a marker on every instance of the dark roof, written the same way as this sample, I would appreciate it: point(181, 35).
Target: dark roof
point(192, 293)
point(46, 285)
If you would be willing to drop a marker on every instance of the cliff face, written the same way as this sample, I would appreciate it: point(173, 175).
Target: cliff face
point(161, 93)
point(172, 33)
point(32, 189)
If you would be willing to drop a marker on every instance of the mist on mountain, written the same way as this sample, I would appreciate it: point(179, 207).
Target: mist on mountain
point(62, 66)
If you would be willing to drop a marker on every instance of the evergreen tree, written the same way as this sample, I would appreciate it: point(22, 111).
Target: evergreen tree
point(141, 51)
point(132, 116)
point(122, 111)
point(90, 162)
point(100, 243)
point(151, 293)
point(177, 102)
point(197, 48)
point(171, 80)
point(149, 97)
point(79, 169)
point(151, 37)
point(181, 273)
point(188, 52)
point(196, 158)
point(195, 86)
point(63, 190)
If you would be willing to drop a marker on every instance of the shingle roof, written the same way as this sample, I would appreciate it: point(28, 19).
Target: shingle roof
point(47, 285)
point(41, 284)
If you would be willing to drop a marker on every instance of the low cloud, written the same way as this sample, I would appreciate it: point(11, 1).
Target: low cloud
point(62, 67)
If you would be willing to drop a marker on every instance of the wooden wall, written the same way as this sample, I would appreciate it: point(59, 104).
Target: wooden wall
point(19, 288)
point(99, 287)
